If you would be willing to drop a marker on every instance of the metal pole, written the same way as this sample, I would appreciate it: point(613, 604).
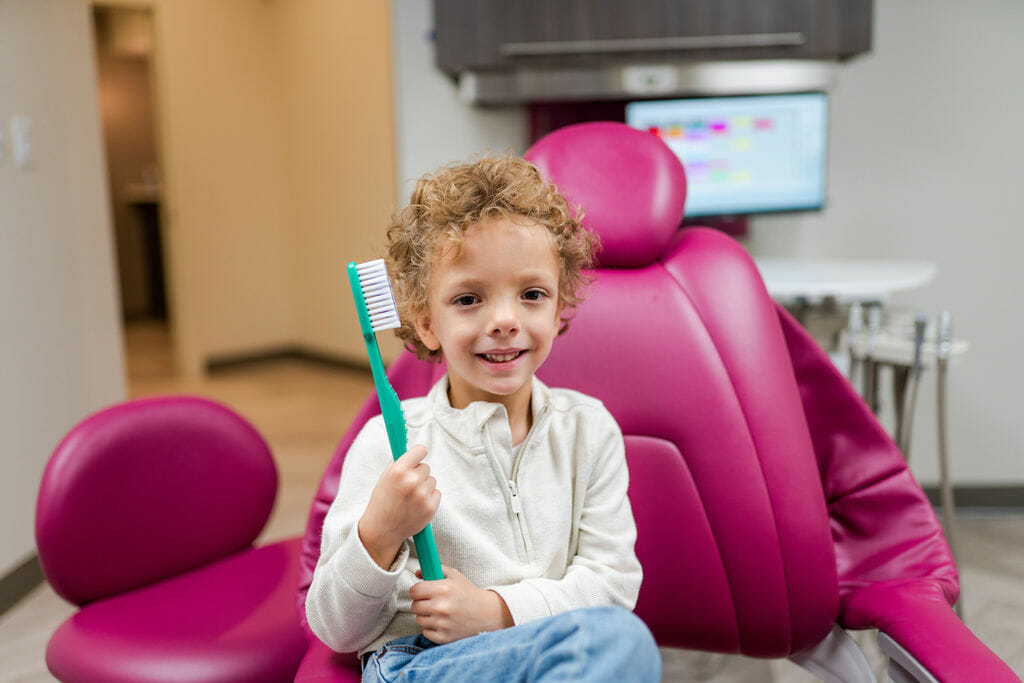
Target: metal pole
point(945, 344)
point(854, 330)
point(907, 414)
point(870, 366)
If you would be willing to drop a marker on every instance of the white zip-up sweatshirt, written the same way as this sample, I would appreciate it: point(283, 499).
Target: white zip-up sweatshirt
point(549, 530)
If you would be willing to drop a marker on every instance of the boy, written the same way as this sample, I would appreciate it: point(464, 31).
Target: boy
point(535, 531)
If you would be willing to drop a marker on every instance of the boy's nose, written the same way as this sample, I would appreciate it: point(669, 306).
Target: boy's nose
point(504, 320)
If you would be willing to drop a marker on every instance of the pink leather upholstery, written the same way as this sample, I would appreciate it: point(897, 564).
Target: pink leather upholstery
point(164, 460)
point(724, 424)
point(145, 516)
point(232, 620)
point(321, 663)
point(638, 166)
point(896, 573)
point(769, 501)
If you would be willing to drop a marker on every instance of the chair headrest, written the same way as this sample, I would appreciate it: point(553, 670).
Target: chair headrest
point(631, 186)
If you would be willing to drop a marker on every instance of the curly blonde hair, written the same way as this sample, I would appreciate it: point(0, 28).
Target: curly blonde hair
point(446, 203)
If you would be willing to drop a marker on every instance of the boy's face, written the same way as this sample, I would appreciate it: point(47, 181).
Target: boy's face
point(493, 311)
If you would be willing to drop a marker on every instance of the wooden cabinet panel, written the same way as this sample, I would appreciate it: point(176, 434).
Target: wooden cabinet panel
point(501, 34)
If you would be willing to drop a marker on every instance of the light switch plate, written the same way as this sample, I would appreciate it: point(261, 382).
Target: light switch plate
point(21, 141)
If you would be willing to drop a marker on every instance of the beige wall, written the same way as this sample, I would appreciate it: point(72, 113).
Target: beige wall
point(276, 137)
point(340, 160)
point(60, 344)
point(218, 72)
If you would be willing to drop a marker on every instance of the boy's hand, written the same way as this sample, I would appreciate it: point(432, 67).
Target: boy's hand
point(401, 504)
point(454, 608)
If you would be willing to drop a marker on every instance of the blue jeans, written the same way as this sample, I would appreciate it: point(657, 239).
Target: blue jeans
point(589, 644)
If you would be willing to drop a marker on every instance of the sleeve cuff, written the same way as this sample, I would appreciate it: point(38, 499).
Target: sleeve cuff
point(524, 602)
point(366, 577)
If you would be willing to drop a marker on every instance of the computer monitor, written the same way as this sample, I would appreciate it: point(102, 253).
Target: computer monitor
point(744, 155)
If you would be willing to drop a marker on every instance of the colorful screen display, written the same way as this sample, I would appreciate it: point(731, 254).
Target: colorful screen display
point(744, 154)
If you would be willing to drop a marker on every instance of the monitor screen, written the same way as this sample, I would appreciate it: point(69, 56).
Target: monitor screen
point(744, 154)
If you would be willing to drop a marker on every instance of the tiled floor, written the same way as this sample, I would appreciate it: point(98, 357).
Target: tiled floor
point(302, 409)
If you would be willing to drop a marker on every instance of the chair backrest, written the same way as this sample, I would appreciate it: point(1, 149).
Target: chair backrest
point(682, 343)
point(148, 489)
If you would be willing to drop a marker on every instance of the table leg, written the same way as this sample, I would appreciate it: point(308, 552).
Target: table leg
point(900, 377)
point(871, 369)
point(943, 351)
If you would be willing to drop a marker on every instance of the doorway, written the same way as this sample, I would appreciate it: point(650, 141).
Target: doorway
point(124, 55)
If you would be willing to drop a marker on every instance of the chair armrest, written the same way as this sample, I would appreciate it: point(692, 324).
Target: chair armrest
point(922, 634)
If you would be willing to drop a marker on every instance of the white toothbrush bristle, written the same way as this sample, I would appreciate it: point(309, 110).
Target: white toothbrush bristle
point(380, 301)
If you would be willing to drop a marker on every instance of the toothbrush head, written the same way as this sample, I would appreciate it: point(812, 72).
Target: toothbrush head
point(375, 302)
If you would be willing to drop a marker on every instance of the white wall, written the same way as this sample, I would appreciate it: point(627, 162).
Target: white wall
point(926, 146)
point(60, 345)
point(431, 126)
point(926, 153)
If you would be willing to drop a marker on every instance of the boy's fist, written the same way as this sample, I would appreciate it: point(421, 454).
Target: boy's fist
point(455, 608)
point(401, 504)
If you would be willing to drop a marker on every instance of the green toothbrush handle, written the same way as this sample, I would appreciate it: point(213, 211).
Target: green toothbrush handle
point(394, 422)
point(426, 550)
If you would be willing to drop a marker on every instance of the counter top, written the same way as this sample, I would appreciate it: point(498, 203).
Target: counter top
point(846, 280)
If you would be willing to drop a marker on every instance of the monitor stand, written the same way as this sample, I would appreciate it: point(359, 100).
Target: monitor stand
point(734, 226)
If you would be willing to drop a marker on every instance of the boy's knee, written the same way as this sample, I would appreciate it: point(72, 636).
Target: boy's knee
point(620, 624)
point(618, 643)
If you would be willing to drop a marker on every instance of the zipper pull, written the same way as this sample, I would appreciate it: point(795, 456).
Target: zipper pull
point(517, 505)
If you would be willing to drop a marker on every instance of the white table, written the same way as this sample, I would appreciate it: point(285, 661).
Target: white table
point(844, 280)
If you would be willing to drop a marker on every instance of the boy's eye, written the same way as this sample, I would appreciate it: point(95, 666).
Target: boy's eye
point(465, 300)
point(534, 294)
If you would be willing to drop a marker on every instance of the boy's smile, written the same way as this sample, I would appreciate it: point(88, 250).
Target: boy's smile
point(493, 311)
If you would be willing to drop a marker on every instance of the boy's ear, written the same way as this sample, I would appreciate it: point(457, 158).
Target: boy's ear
point(426, 333)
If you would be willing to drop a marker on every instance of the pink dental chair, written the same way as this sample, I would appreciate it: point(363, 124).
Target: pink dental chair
point(773, 510)
point(145, 518)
